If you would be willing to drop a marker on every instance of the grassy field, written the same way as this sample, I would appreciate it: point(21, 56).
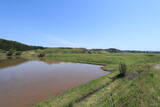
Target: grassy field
point(139, 88)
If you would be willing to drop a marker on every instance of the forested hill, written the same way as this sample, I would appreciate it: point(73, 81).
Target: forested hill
point(13, 45)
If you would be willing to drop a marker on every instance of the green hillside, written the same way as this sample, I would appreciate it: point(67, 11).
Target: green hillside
point(13, 45)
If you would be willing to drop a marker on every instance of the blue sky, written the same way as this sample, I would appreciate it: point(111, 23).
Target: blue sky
point(122, 24)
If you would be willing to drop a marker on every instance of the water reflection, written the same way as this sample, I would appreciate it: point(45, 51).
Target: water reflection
point(11, 62)
point(26, 82)
point(14, 61)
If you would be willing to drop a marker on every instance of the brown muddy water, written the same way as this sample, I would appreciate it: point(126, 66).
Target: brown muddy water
point(24, 83)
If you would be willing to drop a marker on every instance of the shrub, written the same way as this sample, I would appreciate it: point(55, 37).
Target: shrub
point(9, 53)
point(122, 69)
point(89, 52)
point(41, 55)
point(18, 53)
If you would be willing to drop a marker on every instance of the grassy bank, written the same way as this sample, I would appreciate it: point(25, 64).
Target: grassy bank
point(108, 58)
point(76, 94)
point(142, 91)
point(139, 87)
point(109, 61)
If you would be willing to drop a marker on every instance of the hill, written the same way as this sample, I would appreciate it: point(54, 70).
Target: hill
point(13, 45)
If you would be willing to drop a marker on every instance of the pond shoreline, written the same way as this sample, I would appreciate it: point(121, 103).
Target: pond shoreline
point(94, 89)
point(83, 91)
point(23, 71)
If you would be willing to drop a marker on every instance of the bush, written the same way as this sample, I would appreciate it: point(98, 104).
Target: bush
point(18, 53)
point(41, 55)
point(9, 53)
point(89, 52)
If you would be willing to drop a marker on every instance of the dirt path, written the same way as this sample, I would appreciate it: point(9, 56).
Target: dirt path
point(91, 93)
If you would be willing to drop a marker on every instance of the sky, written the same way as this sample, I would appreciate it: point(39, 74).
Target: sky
point(122, 24)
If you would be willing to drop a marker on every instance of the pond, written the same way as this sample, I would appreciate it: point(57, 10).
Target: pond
point(27, 82)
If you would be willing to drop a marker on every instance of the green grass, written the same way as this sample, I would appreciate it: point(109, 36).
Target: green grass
point(110, 61)
point(103, 59)
point(107, 58)
point(141, 91)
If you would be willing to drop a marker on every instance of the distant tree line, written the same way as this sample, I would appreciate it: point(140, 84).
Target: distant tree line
point(114, 50)
point(8, 45)
point(136, 51)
